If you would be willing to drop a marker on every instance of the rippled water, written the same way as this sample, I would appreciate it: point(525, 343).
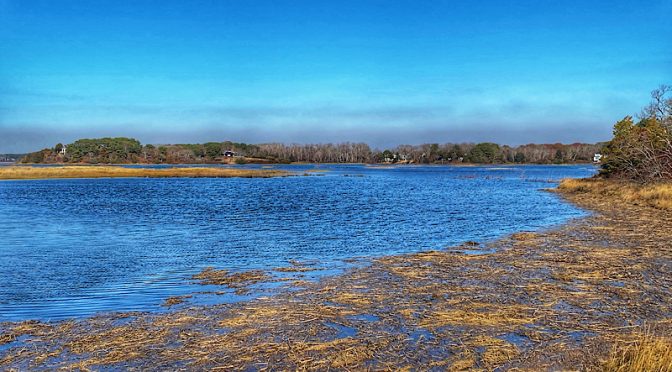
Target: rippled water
point(76, 247)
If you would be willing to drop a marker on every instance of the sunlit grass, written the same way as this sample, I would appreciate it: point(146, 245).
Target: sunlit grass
point(654, 195)
point(647, 353)
point(18, 173)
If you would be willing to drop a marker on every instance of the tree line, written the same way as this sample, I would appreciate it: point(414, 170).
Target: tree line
point(10, 157)
point(642, 151)
point(123, 150)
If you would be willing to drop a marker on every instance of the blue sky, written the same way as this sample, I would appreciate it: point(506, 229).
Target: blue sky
point(382, 72)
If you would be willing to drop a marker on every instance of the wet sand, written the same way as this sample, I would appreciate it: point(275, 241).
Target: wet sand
point(559, 299)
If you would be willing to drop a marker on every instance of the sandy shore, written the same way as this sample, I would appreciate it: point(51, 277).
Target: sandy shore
point(24, 172)
point(560, 299)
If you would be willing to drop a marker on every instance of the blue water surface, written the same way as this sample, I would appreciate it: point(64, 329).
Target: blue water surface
point(72, 248)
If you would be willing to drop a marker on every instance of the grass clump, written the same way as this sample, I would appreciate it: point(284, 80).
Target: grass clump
point(211, 275)
point(6, 338)
point(647, 353)
point(175, 300)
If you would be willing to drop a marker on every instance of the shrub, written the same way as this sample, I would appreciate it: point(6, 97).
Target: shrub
point(641, 152)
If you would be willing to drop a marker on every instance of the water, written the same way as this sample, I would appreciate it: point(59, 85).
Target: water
point(72, 248)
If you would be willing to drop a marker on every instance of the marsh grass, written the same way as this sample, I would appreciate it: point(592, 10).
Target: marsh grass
point(646, 353)
point(653, 195)
point(175, 300)
point(6, 338)
point(22, 173)
point(211, 275)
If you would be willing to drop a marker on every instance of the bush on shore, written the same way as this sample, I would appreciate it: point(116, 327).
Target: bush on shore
point(642, 151)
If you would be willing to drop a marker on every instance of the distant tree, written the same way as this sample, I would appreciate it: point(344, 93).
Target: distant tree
point(434, 153)
point(486, 152)
point(455, 152)
point(36, 157)
point(559, 156)
point(387, 155)
point(213, 149)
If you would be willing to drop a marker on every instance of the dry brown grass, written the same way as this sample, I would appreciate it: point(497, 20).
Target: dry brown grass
point(22, 173)
point(6, 338)
point(478, 315)
point(211, 275)
point(647, 353)
point(175, 300)
point(653, 195)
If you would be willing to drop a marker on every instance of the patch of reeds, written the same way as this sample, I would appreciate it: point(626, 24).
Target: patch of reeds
point(21, 173)
point(657, 195)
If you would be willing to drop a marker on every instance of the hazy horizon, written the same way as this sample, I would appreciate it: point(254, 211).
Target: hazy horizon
point(315, 72)
point(186, 138)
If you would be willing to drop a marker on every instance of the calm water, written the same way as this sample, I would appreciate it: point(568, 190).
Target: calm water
point(72, 248)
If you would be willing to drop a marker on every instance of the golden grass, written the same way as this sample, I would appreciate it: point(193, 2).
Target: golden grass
point(235, 280)
point(648, 353)
point(654, 195)
point(478, 316)
point(22, 173)
point(351, 299)
point(6, 338)
point(121, 343)
point(175, 300)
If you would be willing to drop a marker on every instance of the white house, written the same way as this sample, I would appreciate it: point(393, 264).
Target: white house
point(597, 158)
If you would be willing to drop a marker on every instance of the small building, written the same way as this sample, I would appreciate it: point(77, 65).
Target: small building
point(597, 158)
point(64, 149)
point(230, 154)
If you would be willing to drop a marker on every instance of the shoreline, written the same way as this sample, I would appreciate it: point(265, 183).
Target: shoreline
point(553, 299)
point(298, 163)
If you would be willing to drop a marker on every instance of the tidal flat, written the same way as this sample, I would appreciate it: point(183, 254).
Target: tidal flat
point(579, 296)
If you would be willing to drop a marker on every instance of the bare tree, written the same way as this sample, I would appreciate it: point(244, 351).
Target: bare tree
point(660, 107)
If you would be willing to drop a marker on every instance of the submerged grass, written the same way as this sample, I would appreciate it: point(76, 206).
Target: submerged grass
point(25, 172)
point(210, 275)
